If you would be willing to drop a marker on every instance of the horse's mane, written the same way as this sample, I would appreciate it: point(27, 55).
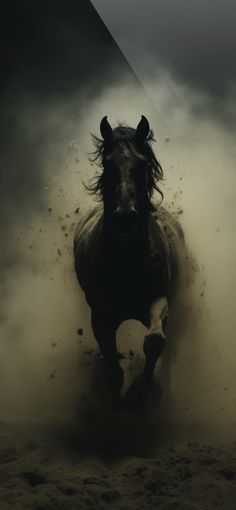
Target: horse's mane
point(125, 137)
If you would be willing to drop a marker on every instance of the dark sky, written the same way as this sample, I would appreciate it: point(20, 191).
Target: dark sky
point(51, 52)
point(195, 39)
point(53, 47)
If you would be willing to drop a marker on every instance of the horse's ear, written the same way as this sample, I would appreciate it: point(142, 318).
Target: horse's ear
point(106, 130)
point(142, 130)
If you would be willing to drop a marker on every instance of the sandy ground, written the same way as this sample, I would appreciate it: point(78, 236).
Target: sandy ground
point(47, 468)
point(44, 468)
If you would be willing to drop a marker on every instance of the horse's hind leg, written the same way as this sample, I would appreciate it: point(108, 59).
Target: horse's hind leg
point(153, 345)
point(105, 333)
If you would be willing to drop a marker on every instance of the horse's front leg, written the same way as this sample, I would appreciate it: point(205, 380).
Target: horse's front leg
point(153, 345)
point(155, 339)
point(104, 329)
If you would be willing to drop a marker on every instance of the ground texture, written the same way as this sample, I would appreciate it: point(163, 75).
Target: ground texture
point(39, 473)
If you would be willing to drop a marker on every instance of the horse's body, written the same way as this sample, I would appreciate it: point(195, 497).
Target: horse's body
point(127, 267)
point(122, 281)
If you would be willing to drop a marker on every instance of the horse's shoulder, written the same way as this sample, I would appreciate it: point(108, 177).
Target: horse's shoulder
point(168, 223)
point(88, 219)
point(88, 245)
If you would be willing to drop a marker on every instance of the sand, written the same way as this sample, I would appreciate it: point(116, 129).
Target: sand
point(42, 468)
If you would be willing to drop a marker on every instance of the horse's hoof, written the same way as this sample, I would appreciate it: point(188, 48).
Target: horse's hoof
point(153, 344)
point(137, 395)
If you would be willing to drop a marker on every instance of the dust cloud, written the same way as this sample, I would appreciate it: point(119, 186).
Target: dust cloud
point(50, 365)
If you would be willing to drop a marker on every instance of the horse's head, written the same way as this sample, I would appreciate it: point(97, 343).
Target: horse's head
point(130, 173)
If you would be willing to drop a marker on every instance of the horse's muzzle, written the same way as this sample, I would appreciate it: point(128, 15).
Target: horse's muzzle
point(126, 223)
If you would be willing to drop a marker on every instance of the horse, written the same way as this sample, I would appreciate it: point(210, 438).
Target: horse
point(127, 252)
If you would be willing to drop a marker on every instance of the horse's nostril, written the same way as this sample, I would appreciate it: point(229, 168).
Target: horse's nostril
point(126, 222)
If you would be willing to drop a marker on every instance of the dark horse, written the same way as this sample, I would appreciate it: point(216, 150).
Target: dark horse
point(127, 252)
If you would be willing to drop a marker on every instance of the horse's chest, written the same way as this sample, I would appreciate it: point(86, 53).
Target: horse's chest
point(126, 291)
point(126, 284)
